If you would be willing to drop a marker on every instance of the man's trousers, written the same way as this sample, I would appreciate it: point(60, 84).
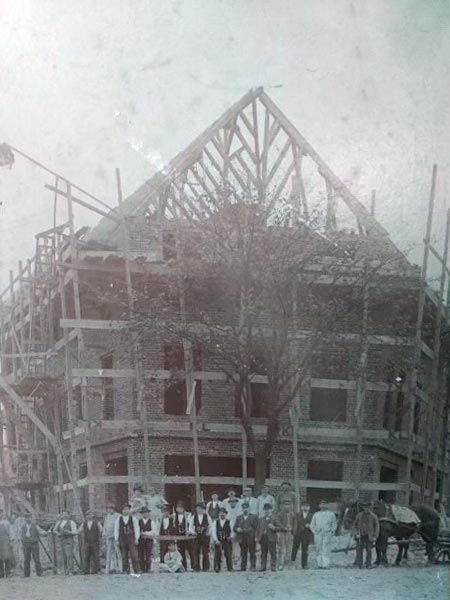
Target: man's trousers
point(91, 558)
point(284, 547)
point(268, 547)
point(145, 550)
point(248, 546)
point(322, 542)
point(201, 546)
point(304, 542)
point(67, 547)
point(363, 543)
point(219, 549)
point(31, 550)
point(113, 558)
point(128, 549)
point(185, 546)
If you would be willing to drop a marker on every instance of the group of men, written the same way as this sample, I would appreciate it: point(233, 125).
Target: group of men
point(226, 530)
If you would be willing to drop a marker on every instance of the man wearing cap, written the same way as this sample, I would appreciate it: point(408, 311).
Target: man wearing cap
point(245, 527)
point(366, 530)
point(231, 499)
point(91, 530)
point(181, 525)
point(165, 528)
point(264, 498)
point(112, 549)
point(145, 548)
point(266, 535)
point(286, 519)
point(302, 533)
point(323, 526)
point(200, 527)
point(286, 493)
point(213, 506)
point(221, 536)
point(127, 534)
point(252, 502)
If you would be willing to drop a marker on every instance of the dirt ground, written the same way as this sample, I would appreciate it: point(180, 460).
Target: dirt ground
point(400, 583)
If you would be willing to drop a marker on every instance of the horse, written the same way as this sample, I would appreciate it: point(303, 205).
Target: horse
point(428, 529)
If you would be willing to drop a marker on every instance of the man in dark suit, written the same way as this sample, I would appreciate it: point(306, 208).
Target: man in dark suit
point(245, 526)
point(302, 533)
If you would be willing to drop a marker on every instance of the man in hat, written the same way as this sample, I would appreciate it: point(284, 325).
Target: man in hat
point(165, 528)
point(323, 526)
point(200, 527)
point(91, 530)
point(147, 530)
point(181, 525)
point(286, 519)
point(366, 530)
point(127, 534)
point(264, 498)
point(266, 535)
point(245, 527)
point(213, 506)
point(286, 493)
point(231, 498)
point(247, 496)
point(221, 535)
point(233, 511)
point(30, 535)
point(66, 530)
point(112, 548)
point(6, 537)
point(302, 534)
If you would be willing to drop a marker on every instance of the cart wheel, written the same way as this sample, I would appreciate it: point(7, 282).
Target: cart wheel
point(443, 555)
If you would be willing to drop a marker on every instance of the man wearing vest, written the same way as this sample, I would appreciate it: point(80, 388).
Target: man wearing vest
point(91, 530)
point(145, 549)
point(181, 524)
point(127, 534)
point(30, 535)
point(221, 535)
point(165, 528)
point(245, 526)
point(201, 526)
point(66, 530)
point(213, 506)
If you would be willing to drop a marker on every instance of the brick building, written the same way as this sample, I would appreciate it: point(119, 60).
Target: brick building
point(78, 390)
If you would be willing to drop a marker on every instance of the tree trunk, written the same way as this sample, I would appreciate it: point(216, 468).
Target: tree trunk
point(260, 471)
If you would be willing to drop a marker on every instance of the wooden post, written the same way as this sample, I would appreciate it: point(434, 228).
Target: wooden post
point(294, 414)
point(135, 352)
point(244, 458)
point(362, 379)
point(412, 378)
point(436, 397)
point(12, 323)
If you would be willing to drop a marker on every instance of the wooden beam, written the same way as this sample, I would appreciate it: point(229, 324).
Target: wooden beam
point(92, 324)
point(100, 212)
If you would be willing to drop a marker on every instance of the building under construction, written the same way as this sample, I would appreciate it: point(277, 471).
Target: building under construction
point(87, 411)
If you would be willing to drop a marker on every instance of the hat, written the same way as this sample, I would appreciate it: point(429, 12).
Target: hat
point(267, 506)
point(231, 490)
point(126, 505)
point(137, 486)
point(235, 500)
point(245, 505)
point(323, 502)
point(145, 509)
point(287, 483)
point(214, 494)
point(222, 509)
point(200, 505)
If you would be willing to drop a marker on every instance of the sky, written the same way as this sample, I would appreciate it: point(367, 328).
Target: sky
point(86, 87)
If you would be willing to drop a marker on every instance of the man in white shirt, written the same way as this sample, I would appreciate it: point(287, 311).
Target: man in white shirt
point(165, 529)
point(127, 534)
point(264, 498)
point(155, 503)
point(231, 497)
point(323, 525)
point(250, 500)
point(112, 548)
point(181, 526)
point(213, 506)
point(234, 510)
point(66, 530)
